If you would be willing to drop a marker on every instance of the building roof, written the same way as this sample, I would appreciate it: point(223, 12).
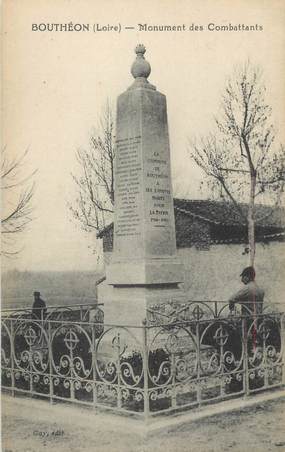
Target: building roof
point(222, 223)
point(224, 213)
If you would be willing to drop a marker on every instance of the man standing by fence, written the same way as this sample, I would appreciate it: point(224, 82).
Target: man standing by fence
point(39, 309)
point(250, 297)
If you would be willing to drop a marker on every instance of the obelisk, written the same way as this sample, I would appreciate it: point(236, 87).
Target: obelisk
point(144, 269)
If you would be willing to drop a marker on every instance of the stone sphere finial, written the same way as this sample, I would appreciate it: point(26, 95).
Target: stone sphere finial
point(140, 67)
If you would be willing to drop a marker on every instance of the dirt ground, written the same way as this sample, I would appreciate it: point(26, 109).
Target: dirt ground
point(35, 426)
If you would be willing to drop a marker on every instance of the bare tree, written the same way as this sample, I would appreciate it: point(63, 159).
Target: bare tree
point(17, 194)
point(93, 206)
point(238, 157)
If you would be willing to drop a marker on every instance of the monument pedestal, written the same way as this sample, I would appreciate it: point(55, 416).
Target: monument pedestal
point(145, 271)
point(131, 305)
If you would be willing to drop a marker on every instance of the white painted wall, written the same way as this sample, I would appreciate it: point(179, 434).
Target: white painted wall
point(214, 274)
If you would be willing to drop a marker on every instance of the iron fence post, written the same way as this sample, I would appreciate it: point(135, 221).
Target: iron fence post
point(245, 356)
point(199, 392)
point(93, 344)
point(12, 358)
point(266, 362)
point(173, 372)
point(222, 365)
point(145, 369)
point(119, 395)
point(72, 374)
point(50, 363)
point(282, 332)
point(30, 365)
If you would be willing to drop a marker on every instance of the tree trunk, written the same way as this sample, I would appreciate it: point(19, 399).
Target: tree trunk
point(250, 220)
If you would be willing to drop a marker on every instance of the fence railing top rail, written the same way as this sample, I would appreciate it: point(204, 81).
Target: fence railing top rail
point(227, 302)
point(146, 325)
point(65, 306)
point(95, 304)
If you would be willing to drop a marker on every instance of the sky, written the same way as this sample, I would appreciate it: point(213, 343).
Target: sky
point(55, 85)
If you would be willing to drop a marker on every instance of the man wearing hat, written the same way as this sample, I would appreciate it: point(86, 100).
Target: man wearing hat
point(250, 296)
point(39, 307)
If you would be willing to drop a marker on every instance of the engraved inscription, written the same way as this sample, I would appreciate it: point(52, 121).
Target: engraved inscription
point(128, 173)
point(158, 183)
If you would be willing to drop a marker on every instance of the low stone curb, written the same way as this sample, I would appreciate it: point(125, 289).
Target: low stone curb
point(109, 422)
point(197, 414)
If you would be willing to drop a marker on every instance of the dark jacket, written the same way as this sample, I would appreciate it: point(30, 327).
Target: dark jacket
point(39, 309)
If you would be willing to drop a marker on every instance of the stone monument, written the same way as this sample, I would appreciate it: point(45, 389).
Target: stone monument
point(144, 270)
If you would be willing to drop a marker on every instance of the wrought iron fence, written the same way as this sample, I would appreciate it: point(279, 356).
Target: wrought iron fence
point(148, 369)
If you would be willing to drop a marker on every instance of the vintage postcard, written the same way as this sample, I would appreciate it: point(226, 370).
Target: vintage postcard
point(143, 264)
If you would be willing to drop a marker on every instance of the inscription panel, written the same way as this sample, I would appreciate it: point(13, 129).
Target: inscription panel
point(128, 174)
point(128, 232)
point(157, 176)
